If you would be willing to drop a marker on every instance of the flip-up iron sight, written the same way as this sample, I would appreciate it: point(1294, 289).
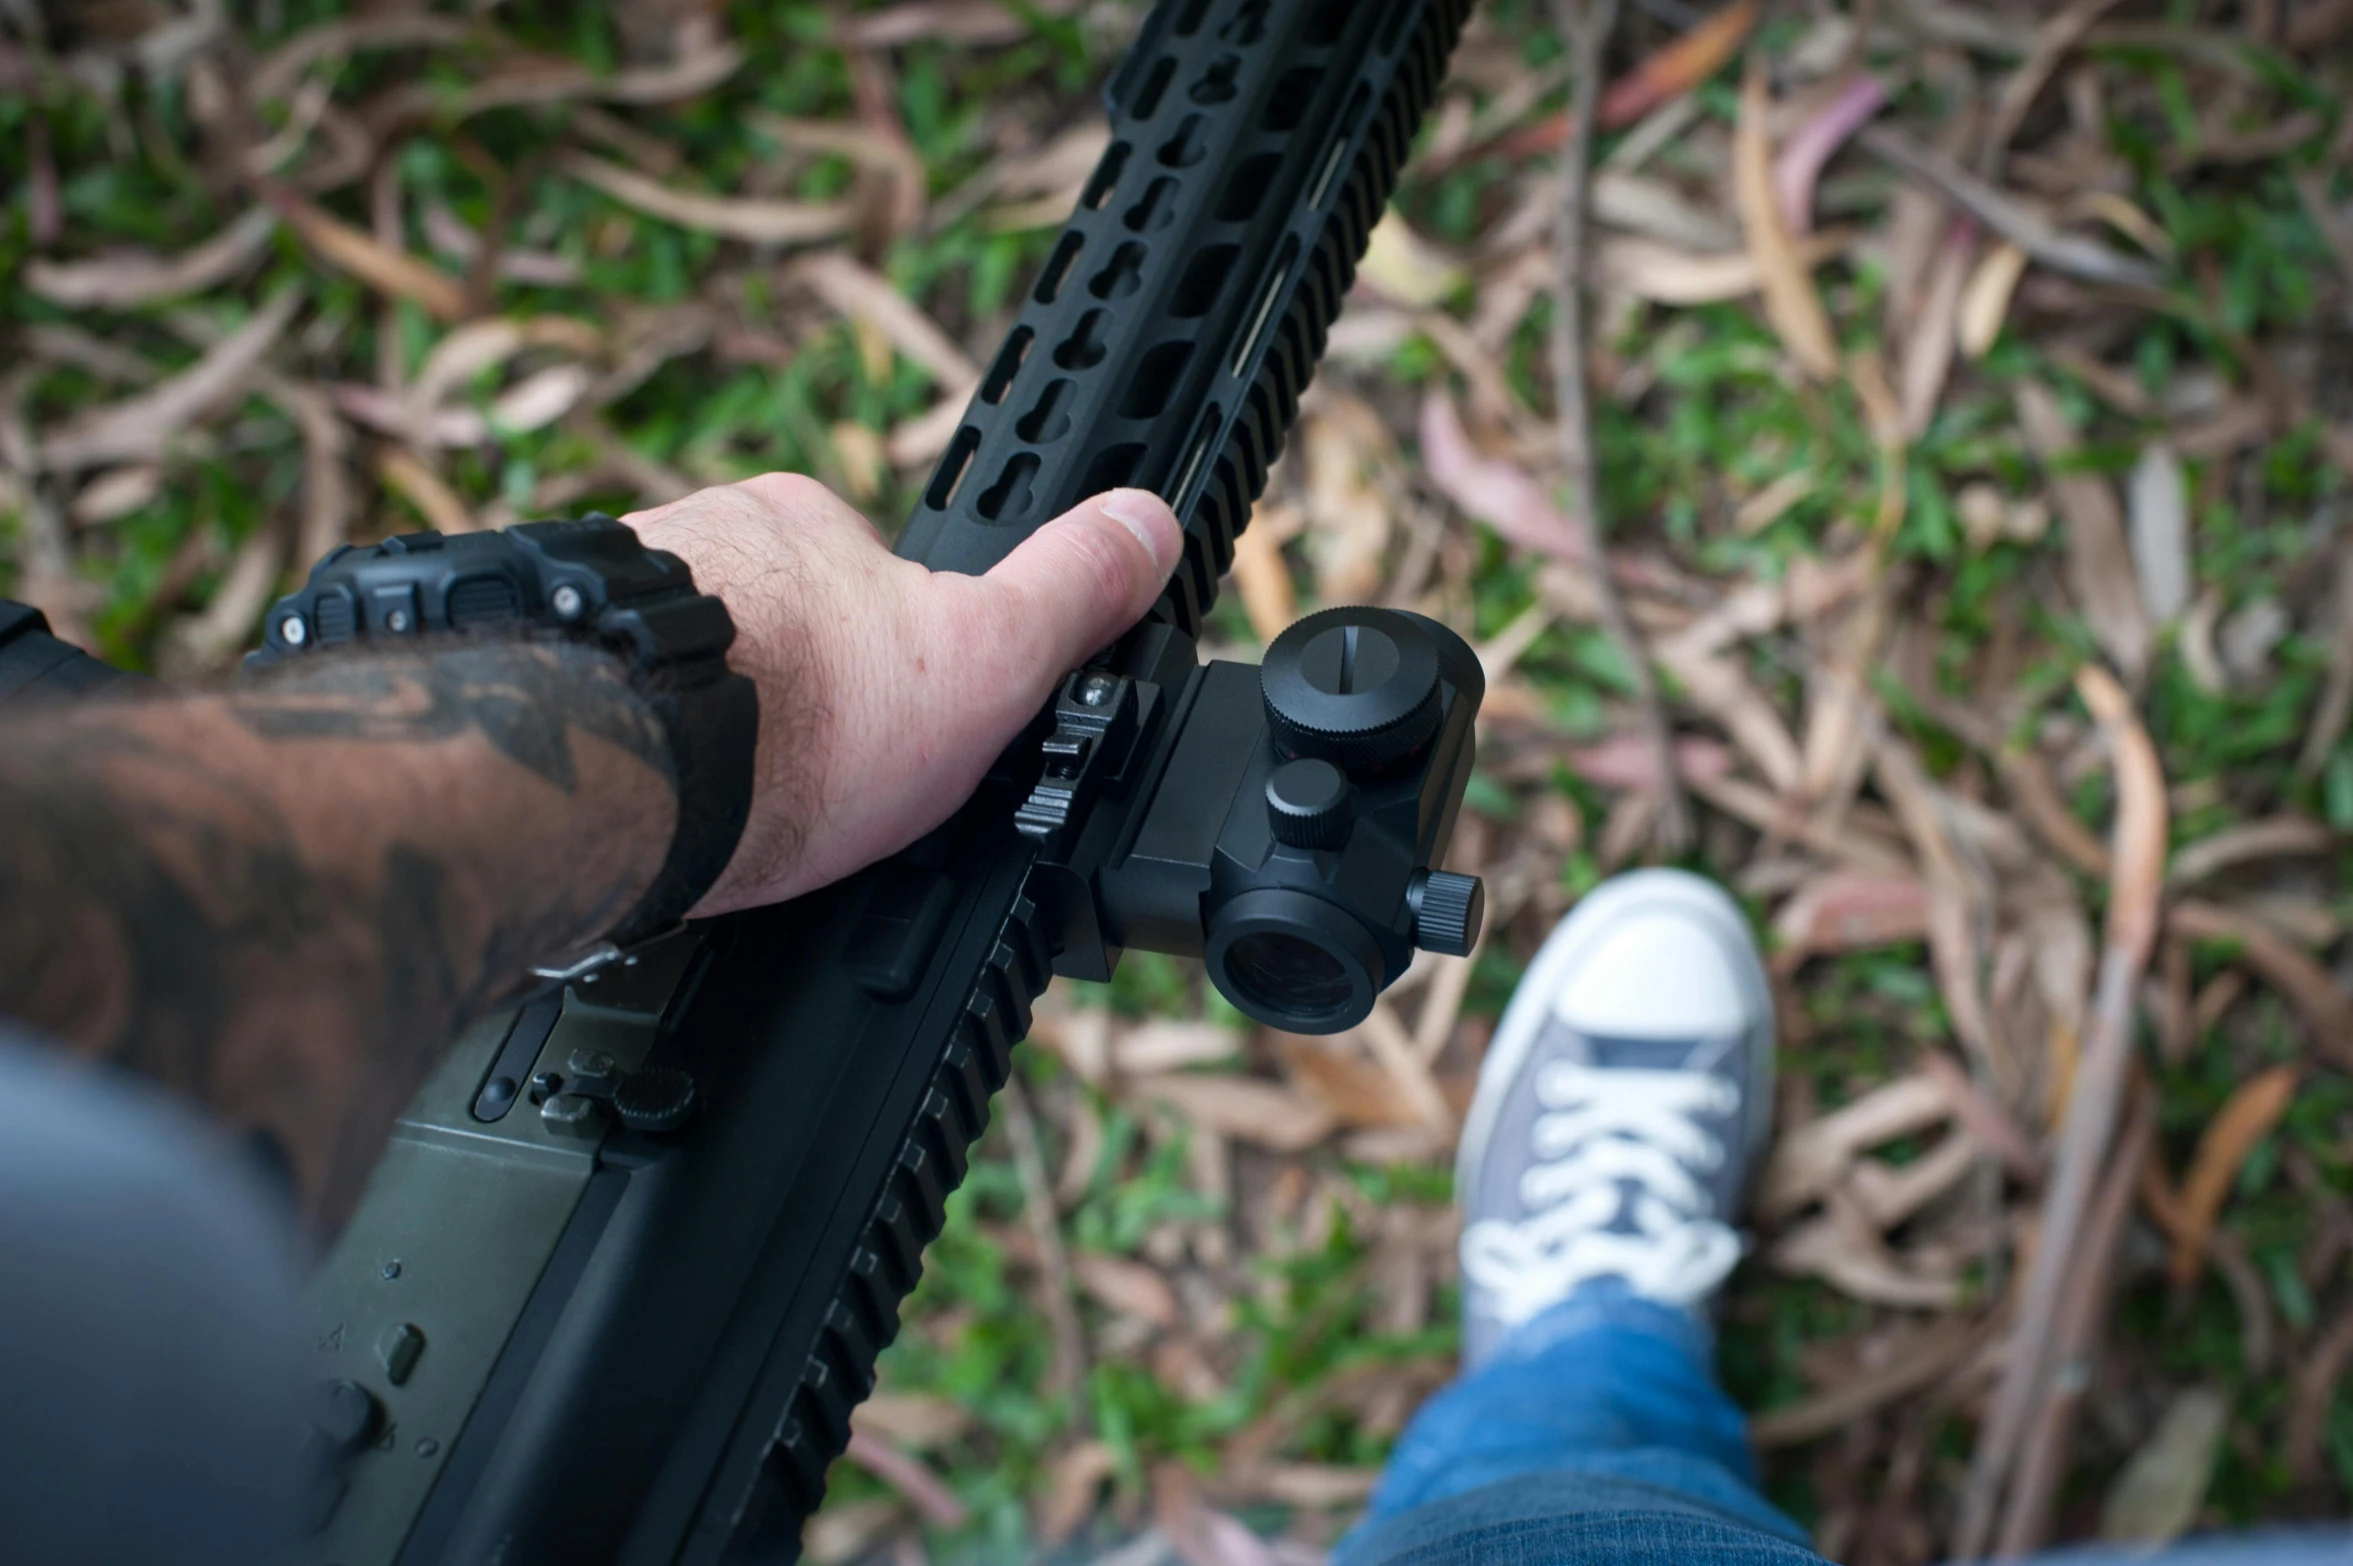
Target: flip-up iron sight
point(1291, 813)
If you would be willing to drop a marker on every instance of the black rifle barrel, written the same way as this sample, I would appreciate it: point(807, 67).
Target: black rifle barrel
point(685, 1366)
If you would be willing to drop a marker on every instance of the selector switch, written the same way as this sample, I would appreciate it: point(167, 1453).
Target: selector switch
point(345, 1414)
point(343, 1418)
point(1307, 805)
point(1354, 686)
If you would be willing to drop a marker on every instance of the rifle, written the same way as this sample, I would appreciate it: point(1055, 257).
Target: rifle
point(627, 1262)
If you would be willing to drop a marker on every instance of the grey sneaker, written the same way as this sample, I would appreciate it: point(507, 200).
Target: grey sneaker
point(1627, 1094)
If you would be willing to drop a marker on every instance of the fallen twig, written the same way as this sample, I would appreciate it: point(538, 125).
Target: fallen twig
point(2007, 216)
point(2091, 1282)
point(2092, 1101)
point(1590, 27)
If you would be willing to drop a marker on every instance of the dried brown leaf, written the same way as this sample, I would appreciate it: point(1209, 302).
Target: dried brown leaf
point(2246, 1118)
point(1808, 1159)
point(2100, 571)
point(1260, 571)
point(976, 22)
point(1127, 1286)
point(1791, 304)
point(1342, 443)
point(125, 280)
point(2274, 837)
point(860, 292)
point(1244, 1109)
point(2007, 216)
point(1847, 910)
point(1933, 332)
point(917, 1485)
point(2326, 1009)
point(1407, 269)
point(2157, 1496)
point(1844, 1253)
point(757, 221)
point(915, 1420)
point(1356, 1090)
point(1925, 1358)
point(283, 68)
point(1498, 493)
point(142, 428)
point(2157, 510)
point(204, 643)
point(385, 268)
point(1171, 1044)
point(1627, 761)
point(406, 475)
point(1719, 687)
point(2138, 841)
point(1985, 299)
point(1888, 1194)
point(1810, 146)
point(1665, 274)
point(1679, 67)
point(1072, 1479)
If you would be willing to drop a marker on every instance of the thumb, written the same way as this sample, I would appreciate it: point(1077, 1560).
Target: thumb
point(1088, 575)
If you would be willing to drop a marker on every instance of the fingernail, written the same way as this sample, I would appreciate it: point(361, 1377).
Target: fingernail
point(1147, 516)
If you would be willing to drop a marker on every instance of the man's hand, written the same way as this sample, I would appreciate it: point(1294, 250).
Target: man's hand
point(886, 690)
point(283, 900)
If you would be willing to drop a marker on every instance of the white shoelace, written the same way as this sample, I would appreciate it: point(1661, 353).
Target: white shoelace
point(1605, 1128)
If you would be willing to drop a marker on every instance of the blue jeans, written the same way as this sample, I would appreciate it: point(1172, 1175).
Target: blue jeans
point(1597, 1433)
point(1597, 1436)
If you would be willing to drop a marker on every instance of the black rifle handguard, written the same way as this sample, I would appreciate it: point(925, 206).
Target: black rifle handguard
point(651, 1350)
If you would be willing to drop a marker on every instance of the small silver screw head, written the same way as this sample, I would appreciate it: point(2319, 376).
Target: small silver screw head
point(567, 602)
point(397, 620)
point(1095, 690)
point(292, 631)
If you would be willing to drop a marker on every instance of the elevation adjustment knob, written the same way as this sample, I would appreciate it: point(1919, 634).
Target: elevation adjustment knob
point(1447, 910)
point(1307, 804)
point(1353, 686)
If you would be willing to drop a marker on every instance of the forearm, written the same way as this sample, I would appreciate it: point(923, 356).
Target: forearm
point(283, 901)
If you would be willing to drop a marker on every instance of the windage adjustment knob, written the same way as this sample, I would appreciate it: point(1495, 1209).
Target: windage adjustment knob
point(1354, 686)
point(1307, 805)
point(1447, 911)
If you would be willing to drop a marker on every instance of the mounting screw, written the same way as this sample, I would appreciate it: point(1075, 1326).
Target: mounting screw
point(1096, 689)
point(397, 620)
point(567, 602)
point(292, 631)
point(427, 1446)
point(391, 1269)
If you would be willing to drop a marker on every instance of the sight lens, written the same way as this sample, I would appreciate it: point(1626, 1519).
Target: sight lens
point(1288, 973)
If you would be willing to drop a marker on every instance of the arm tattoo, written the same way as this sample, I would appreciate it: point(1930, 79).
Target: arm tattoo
point(286, 900)
point(525, 706)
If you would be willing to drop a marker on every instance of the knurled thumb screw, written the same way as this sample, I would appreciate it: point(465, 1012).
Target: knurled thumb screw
point(1447, 911)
